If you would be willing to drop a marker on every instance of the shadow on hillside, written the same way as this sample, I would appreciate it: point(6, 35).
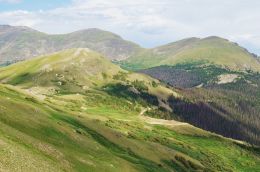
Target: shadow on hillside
point(212, 118)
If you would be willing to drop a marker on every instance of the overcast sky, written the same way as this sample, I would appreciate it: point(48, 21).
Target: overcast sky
point(147, 22)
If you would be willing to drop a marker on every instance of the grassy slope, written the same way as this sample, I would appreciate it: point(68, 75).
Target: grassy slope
point(211, 50)
point(74, 64)
point(73, 70)
point(85, 126)
point(50, 137)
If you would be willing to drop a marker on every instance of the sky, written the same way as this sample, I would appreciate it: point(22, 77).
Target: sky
point(147, 22)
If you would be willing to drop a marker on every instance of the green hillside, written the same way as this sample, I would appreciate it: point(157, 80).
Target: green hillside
point(74, 70)
point(210, 50)
point(76, 111)
point(69, 67)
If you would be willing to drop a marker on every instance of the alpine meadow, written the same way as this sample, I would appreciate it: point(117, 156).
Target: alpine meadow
point(76, 96)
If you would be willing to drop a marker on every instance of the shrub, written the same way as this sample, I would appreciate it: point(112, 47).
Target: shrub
point(140, 85)
point(120, 76)
point(154, 84)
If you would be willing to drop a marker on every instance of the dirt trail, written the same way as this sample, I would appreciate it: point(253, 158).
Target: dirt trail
point(143, 111)
point(159, 121)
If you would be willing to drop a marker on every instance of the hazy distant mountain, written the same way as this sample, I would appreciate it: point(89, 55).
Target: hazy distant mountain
point(210, 50)
point(19, 43)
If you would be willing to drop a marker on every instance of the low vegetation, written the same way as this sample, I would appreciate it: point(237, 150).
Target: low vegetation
point(91, 122)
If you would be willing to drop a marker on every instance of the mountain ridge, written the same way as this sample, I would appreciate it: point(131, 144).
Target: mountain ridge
point(210, 50)
point(20, 43)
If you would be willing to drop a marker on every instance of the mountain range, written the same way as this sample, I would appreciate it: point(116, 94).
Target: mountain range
point(89, 100)
point(20, 43)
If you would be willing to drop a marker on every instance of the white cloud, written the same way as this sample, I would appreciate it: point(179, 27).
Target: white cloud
point(20, 18)
point(151, 22)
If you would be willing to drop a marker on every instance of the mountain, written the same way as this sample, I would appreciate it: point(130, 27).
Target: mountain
point(210, 50)
point(75, 111)
point(19, 43)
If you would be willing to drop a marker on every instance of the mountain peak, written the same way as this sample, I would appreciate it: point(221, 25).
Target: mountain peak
point(214, 38)
point(97, 33)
